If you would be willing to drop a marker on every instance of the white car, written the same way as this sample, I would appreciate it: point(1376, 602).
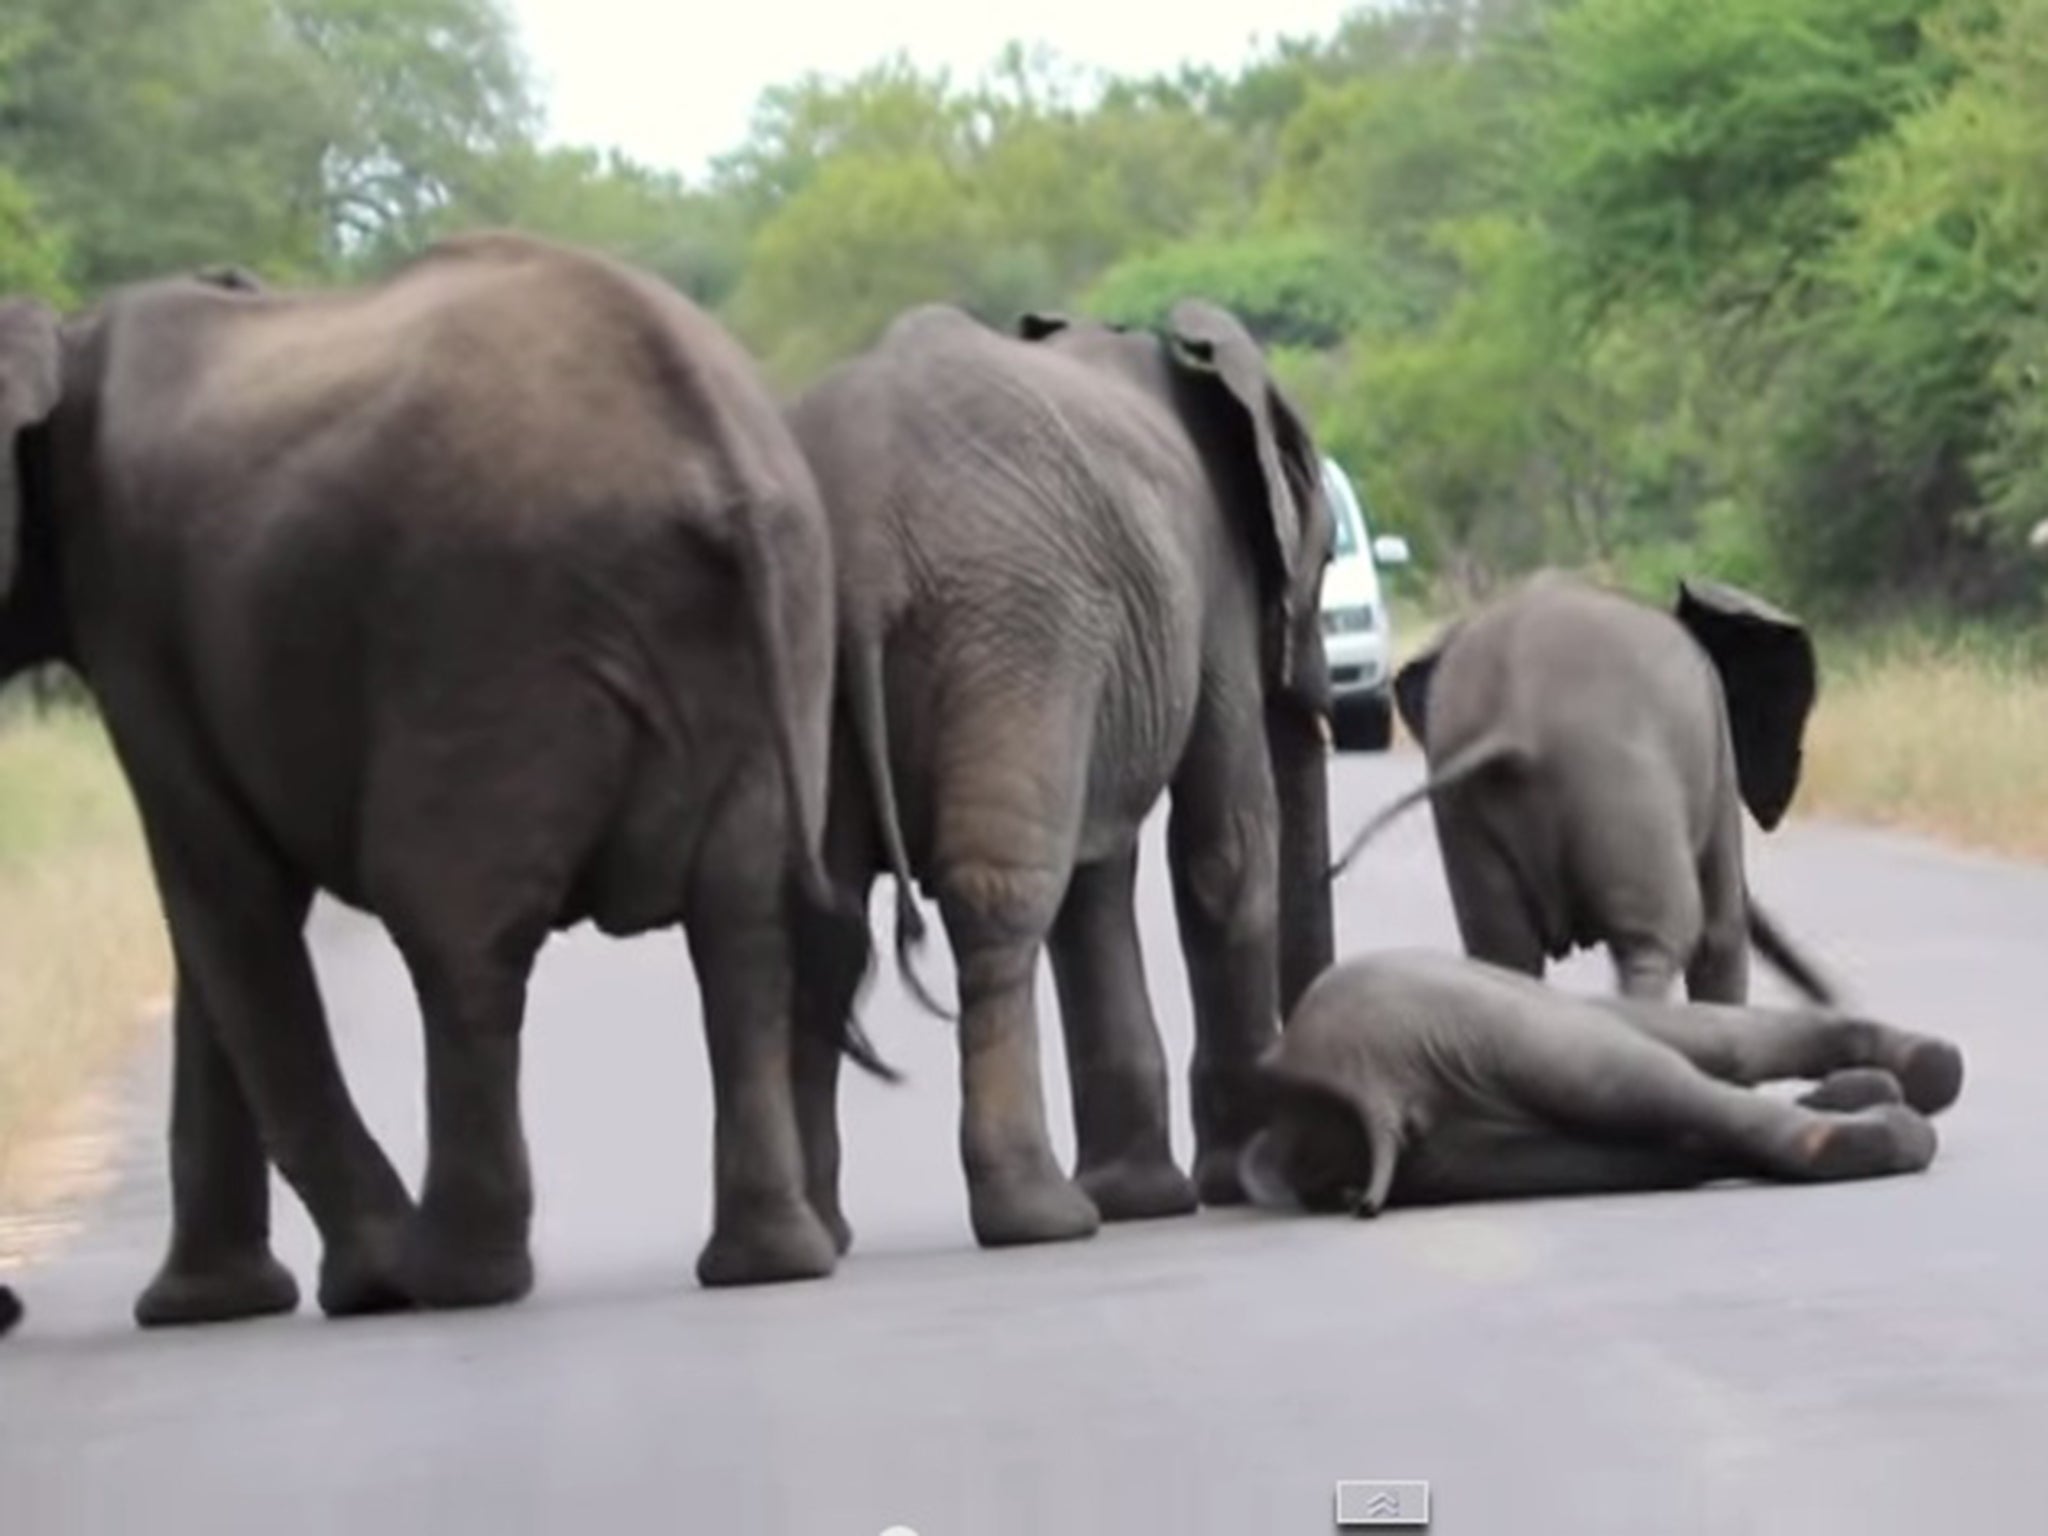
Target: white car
point(1357, 636)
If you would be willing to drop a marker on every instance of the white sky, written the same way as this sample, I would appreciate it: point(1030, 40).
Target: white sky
point(673, 84)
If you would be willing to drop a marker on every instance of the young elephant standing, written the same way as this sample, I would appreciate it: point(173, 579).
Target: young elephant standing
point(1413, 1078)
point(1079, 569)
point(490, 598)
point(1589, 760)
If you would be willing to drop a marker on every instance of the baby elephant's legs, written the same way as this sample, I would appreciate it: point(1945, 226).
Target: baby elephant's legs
point(1759, 1045)
point(1853, 1088)
point(1466, 1161)
point(1658, 1094)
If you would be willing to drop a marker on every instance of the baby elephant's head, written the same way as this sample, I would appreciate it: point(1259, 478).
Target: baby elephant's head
point(1313, 1153)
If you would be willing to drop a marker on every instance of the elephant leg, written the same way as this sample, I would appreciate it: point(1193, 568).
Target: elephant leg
point(219, 1265)
point(1460, 1163)
point(474, 831)
point(1626, 1085)
point(1748, 1045)
point(1852, 1088)
point(1643, 970)
point(764, 1227)
point(816, 1061)
point(1494, 920)
point(237, 929)
point(1009, 790)
point(469, 1246)
point(1223, 851)
point(1115, 1064)
point(996, 919)
point(1719, 969)
point(1653, 914)
point(827, 987)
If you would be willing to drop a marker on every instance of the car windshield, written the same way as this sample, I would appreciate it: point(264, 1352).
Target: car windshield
point(1344, 511)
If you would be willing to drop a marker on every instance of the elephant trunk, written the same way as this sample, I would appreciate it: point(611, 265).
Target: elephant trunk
point(1300, 756)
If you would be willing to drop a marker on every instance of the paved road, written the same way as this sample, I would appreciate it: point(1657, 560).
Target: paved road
point(1740, 1361)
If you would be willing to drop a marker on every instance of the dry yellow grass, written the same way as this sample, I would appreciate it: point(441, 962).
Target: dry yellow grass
point(1943, 737)
point(82, 951)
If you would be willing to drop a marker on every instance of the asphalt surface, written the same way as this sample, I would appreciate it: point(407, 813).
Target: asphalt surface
point(1868, 1358)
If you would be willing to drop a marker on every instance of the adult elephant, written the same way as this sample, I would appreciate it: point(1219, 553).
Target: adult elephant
point(1079, 569)
point(489, 598)
point(1414, 1078)
point(1589, 759)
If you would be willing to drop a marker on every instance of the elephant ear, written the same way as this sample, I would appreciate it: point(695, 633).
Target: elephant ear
point(1208, 343)
point(1412, 684)
point(31, 382)
point(233, 278)
point(1036, 324)
point(1766, 662)
point(1316, 1065)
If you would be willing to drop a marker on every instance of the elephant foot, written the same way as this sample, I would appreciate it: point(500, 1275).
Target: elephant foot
point(1009, 1212)
point(1138, 1188)
point(1854, 1088)
point(1219, 1180)
point(837, 1224)
point(1931, 1074)
point(824, 1202)
point(365, 1275)
point(438, 1272)
point(769, 1246)
point(1870, 1144)
point(248, 1284)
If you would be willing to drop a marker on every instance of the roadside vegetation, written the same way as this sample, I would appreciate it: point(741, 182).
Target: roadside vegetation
point(1941, 732)
point(82, 948)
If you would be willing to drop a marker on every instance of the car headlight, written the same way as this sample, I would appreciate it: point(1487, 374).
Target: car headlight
point(1348, 621)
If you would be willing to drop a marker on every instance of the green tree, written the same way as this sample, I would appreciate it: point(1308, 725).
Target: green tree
point(1293, 290)
point(868, 237)
point(611, 203)
point(290, 135)
point(1691, 148)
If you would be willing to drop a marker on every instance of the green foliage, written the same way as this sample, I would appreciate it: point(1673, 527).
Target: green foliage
point(695, 241)
point(32, 257)
point(1756, 287)
point(1292, 290)
point(1691, 146)
point(899, 189)
point(304, 138)
point(867, 237)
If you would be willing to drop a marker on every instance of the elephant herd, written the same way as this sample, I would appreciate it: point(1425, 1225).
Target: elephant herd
point(502, 595)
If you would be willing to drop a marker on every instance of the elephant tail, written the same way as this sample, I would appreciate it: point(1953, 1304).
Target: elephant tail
point(1475, 759)
point(863, 662)
point(10, 1309)
point(1785, 958)
point(827, 916)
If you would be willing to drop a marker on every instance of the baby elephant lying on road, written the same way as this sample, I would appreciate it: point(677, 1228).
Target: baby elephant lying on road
point(1414, 1078)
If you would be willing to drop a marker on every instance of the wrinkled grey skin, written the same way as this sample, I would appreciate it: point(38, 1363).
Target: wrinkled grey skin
point(1079, 569)
point(1590, 756)
point(1416, 1078)
point(490, 598)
